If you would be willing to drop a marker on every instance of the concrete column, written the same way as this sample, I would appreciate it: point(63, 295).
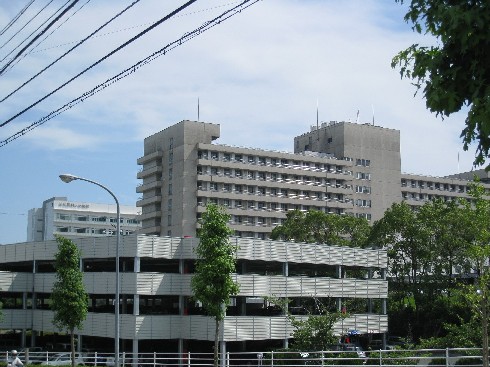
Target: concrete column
point(136, 304)
point(223, 353)
point(80, 342)
point(136, 264)
point(181, 351)
point(135, 353)
point(34, 301)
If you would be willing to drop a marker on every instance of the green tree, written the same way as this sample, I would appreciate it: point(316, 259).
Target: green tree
point(424, 246)
point(456, 72)
point(315, 333)
point(69, 299)
point(478, 212)
point(212, 282)
point(315, 226)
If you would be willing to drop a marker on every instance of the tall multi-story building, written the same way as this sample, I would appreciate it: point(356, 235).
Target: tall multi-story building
point(338, 167)
point(79, 219)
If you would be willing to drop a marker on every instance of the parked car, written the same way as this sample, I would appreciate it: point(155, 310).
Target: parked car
point(64, 359)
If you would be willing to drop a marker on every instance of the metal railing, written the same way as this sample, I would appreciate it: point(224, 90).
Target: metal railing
point(469, 357)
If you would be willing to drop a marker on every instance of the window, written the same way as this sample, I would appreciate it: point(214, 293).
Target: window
point(238, 158)
point(202, 154)
point(227, 157)
point(363, 189)
point(363, 162)
point(170, 188)
point(214, 156)
point(251, 159)
point(226, 187)
point(169, 220)
point(99, 219)
point(64, 216)
point(251, 190)
point(262, 161)
point(363, 176)
point(238, 189)
point(238, 173)
point(214, 186)
point(214, 171)
point(261, 190)
point(273, 191)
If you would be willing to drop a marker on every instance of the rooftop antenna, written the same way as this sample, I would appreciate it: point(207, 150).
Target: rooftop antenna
point(357, 118)
point(317, 126)
point(372, 106)
point(197, 108)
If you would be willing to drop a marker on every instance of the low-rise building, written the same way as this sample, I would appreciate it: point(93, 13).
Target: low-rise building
point(72, 219)
point(156, 305)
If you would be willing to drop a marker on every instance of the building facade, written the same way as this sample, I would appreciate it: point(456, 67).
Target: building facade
point(76, 219)
point(338, 167)
point(157, 312)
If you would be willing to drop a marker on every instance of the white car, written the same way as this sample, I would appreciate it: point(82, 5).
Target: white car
point(64, 359)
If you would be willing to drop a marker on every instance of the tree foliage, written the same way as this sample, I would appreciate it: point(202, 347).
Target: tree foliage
point(315, 226)
point(212, 282)
point(69, 299)
point(456, 72)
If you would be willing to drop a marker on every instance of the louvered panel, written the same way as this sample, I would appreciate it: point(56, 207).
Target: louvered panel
point(43, 320)
point(127, 282)
point(245, 251)
point(43, 282)
point(277, 251)
point(15, 282)
point(16, 319)
point(294, 252)
point(246, 284)
point(277, 286)
point(100, 324)
point(293, 287)
point(309, 253)
point(165, 247)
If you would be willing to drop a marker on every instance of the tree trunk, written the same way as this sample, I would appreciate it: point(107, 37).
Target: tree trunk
point(72, 344)
point(216, 344)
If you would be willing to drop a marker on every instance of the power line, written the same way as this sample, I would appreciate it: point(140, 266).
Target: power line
point(25, 25)
point(165, 18)
point(185, 38)
point(11, 23)
point(71, 49)
point(47, 36)
point(37, 36)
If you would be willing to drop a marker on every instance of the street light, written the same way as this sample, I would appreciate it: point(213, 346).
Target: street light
point(67, 178)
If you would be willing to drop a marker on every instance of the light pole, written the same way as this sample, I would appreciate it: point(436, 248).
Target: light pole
point(67, 178)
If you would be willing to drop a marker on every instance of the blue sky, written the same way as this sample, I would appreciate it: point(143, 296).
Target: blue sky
point(260, 75)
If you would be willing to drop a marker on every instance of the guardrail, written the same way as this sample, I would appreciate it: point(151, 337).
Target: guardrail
point(469, 357)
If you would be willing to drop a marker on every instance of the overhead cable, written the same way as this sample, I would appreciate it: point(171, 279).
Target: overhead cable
point(25, 25)
point(71, 49)
point(39, 35)
point(185, 38)
point(14, 19)
point(165, 18)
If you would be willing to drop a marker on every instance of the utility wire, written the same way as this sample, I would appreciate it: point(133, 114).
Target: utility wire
point(185, 38)
point(39, 35)
point(25, 25)
point(71, 49)
point(165, 18)
point(34, 31)
point(15, 18)
point(47, 36)
point(135, 26)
